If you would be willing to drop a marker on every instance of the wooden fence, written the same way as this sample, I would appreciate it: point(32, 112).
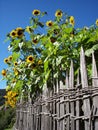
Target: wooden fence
point(74, 107)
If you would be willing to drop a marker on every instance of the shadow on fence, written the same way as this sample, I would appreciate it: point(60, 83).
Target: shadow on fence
point(68, 108)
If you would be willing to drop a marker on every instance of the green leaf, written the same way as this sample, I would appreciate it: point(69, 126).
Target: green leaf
point(58, 60)
point(89, 51)
point(47, 75)
point(68, 30)
point(15, 56)
point(19, 85)
point(46, 65)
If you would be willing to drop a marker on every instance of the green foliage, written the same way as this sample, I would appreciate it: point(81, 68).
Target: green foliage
point(41, 57)
point(2, 93)
point(7, 118)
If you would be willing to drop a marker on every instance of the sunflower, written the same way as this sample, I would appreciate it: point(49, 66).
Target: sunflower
point(15, 63)
point(9, 93)
point(97, 22)
point(49, 23)
point(35, 41)
point(58, 13)
point(4, 72)
point(14, 94)
point(13, 34)
point(30, 59)
point(11, 98)
point(36, 12)
point(9, 58)
point(72, 21)
point(19, 31)
point(6, 60)
point(52, 39)
point(28, 29)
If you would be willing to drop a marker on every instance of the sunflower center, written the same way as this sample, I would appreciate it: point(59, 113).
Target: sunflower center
point(31, 58)
point(35, 40)
point(6, 60)
point(13, 33)
point(72, 21)
point(50, 24)
point(30, 29)
point(36, 12)
point(59, 13)
point(20, 32)
point(16, 64)
point(52, 39)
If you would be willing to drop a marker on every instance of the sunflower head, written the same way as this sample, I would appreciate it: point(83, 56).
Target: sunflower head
point(30, 59)
point(20, 32)
point(52, 39)
point(71, 20)
point(36, 12)
point(28, 29)
point(4, 72)
point(6, 60)
point(35, 40)
point(15, 63)
point(49, 23)
point(13, 34)
point(14, 94)
point(97, 22)
point(58, 13)
point(10, 98)
point(9, 58)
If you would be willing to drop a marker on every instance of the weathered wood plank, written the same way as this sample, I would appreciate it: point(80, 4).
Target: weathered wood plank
point(58, 112)
point(20, 116)
point(71, 85)
point(71, 76)
point(84, 81)
point(83, 69)
point(67, 80)
point(78, 103)
point(94, 72)
point(67, 111)
point(95, 84)
point(62, 112)
point(54, 112)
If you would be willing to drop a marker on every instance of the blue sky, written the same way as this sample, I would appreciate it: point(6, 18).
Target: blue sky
point(16, 13)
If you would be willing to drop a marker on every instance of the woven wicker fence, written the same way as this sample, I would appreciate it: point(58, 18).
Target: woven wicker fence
point(74, 107)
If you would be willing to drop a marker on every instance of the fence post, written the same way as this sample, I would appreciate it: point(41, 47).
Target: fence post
point(17, 117)
point(78, 103)
point(67, 103)
point(71, 86)
point(95, 96)
point(61, 107)
point(67, 80)
point(45, 111)
point(84, 81)
point(20, 115)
